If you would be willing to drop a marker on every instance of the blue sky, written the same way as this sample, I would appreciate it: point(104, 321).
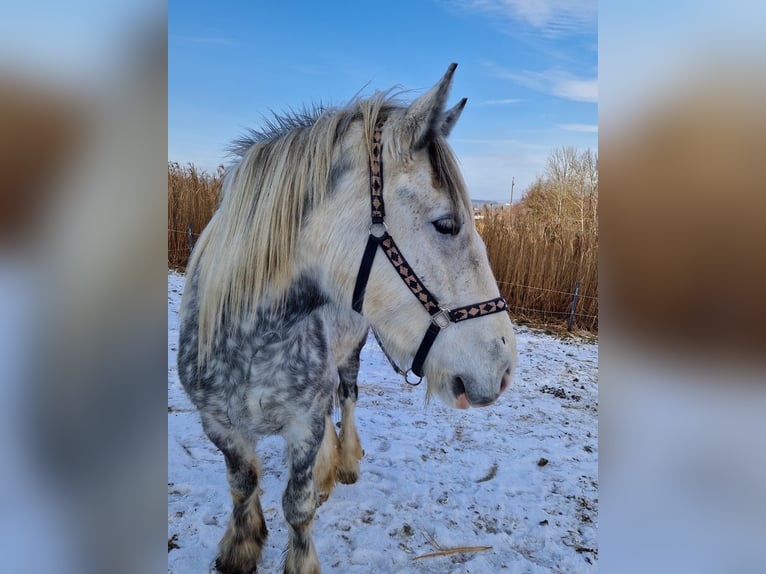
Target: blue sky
point(527, 67)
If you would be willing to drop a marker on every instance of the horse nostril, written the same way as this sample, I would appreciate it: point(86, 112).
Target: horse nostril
point(458, 386)
point(503, 340)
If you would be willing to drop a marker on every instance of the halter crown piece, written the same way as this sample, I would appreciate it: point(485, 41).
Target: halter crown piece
point(441, 316)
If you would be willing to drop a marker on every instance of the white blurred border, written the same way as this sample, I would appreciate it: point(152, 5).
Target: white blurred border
point(682, 454)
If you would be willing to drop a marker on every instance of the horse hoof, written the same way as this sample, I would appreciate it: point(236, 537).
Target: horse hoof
point(219, 567)
point(347, 476)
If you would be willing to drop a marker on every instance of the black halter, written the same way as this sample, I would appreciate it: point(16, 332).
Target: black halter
point(441, 316)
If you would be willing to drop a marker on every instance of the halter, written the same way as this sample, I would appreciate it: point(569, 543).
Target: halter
point(441, 316)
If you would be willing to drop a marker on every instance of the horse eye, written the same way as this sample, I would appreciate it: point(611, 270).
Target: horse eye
point(446, 226)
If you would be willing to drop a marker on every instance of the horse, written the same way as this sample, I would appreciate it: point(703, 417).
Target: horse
point(286, 280)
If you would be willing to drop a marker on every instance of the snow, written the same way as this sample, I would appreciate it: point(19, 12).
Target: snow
point(457, 478)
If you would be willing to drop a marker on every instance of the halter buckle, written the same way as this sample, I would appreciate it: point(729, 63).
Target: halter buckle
point(442, 319)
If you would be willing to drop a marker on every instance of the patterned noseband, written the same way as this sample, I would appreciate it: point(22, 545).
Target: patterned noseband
point(441, 316)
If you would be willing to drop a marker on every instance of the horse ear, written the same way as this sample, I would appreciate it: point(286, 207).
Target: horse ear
point(424, 115)
point(450, 117)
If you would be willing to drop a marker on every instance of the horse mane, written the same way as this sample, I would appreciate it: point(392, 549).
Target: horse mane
point(243, 258)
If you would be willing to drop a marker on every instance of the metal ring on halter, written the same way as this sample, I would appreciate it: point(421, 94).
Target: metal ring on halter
point(442, 319)
point(377, 226)
point(408, 381)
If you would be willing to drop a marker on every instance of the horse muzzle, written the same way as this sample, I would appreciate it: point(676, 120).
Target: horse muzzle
point(468, 394)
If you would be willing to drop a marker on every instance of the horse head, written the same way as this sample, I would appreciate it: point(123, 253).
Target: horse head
point(422, 221)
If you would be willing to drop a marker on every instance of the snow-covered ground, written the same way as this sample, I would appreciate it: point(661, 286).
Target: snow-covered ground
point(520, 476)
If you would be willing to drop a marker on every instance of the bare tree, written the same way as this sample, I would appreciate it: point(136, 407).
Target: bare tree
point(567, 193)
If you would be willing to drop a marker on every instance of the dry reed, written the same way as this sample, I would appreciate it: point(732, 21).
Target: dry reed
point(193, 196)
point(441, 551)
point(538, 261)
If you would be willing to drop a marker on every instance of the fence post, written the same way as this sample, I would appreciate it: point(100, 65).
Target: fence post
point(574, 304)
point(191, 239)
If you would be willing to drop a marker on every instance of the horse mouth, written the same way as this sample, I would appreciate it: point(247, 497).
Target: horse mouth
point(461, 395)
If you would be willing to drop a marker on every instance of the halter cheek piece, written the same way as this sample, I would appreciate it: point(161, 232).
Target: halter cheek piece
point(441, 316)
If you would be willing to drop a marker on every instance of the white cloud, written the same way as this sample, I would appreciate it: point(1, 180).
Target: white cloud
point(575, 89)
point(586, 128)
point(554, 17)
point(499, 142)
point(503, 102)
point(555, 82)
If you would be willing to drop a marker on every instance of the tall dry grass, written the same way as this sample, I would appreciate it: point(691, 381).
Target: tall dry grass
point(193, 196)
point(537, 266)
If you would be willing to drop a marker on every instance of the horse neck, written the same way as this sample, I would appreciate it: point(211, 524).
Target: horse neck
point(333, 239)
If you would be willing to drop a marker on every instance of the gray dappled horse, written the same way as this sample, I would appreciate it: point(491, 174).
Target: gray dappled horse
point(285, 282)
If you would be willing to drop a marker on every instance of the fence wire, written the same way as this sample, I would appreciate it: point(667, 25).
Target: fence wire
point(184, 231)
point(546, 312)
point(545, 289)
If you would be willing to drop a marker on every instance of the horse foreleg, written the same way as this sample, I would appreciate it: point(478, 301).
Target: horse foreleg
point(241, 545)
point(348, 392)
point(327, 460)
point(299, 501)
